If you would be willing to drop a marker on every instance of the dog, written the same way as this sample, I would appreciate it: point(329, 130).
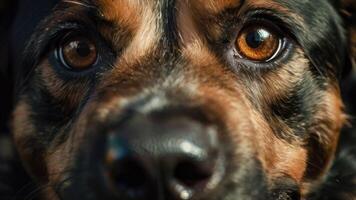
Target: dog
point(199, 99)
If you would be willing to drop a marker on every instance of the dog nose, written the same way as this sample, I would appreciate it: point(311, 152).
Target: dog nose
point(171, 158)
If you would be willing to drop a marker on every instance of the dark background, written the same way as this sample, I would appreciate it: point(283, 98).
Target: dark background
point(7, 8)
point(14, 183)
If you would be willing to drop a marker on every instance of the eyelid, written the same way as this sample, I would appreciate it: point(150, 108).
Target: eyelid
point(283, 22)
point(64, 30)
point(45, 42)
point(265, 22)
point(282, 57)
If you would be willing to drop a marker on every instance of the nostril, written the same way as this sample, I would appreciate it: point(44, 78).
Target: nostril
point(130, 176)
point(192, 174)
point(155, 158)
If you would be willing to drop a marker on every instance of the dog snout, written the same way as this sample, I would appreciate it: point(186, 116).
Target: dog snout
point(170, 156)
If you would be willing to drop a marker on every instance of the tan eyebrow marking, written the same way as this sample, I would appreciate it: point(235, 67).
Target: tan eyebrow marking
point(275, 6)
point(140, 18)
point(187, 26)
point(214, 6)
point(195, 18)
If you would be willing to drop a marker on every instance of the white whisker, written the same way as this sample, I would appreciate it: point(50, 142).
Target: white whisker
point(79, 3)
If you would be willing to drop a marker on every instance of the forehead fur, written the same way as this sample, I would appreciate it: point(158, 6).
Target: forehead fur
point(315, 25)
point(305, 19)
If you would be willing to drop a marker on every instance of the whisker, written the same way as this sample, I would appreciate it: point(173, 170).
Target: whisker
point(79, 3)
point(23, 189)
point(35, 192)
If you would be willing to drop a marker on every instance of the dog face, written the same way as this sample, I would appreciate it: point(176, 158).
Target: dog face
point(164, 99)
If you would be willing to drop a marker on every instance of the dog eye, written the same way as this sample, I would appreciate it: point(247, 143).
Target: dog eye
point(77, 52)
point(258, 43)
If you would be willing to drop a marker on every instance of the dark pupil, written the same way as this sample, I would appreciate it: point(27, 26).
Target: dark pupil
point(256, 38)
point(83, 48)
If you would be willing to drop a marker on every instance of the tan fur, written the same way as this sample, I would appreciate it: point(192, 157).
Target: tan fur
point(255, 4)
point(141, 17)
point(214, 6)
point(188, 31)
point(22, 128)
point(278, 83)
point(68, 93)
point(277, 156)
point(23, 132)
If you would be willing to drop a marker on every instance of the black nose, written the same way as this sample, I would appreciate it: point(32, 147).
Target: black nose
point(171, 158)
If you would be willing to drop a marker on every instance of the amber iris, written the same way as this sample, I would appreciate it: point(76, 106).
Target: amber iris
point(78, 53)
point(258, 43)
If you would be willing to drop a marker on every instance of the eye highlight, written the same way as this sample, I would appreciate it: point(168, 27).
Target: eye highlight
point(77, 52)
point(258, 43)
